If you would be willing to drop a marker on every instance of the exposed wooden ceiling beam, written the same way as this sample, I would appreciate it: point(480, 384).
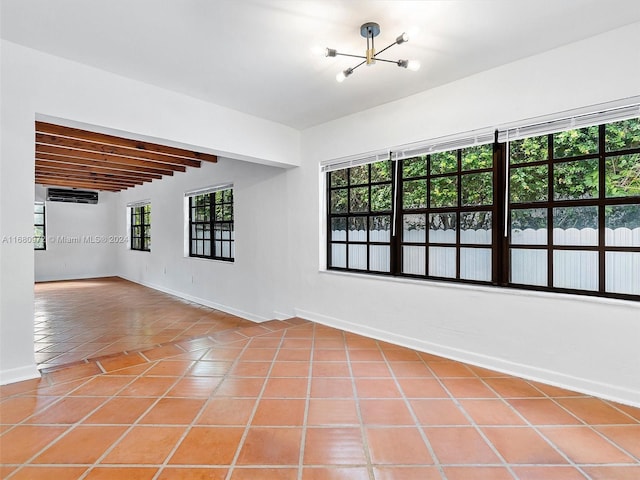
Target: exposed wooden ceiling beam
point(52, 129)
point(108, 158)
point(45, 139)
point(81, 178)
point(41, 164)
point(89, 175)
point(62, 159)
point(56, 182)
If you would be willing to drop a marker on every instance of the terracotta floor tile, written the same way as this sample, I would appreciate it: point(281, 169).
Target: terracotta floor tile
point(240, 387)
point(209, 368)
point(191, 387)
point(293, 355)
point(522, 445)
point(271, 446)
point(376, 388)
point(477, 473)
point(594, 411)
point(81, 445)
point(365, 356)
point(117, 473)
point(74, 372)
point(486, 372)
point(512, 387)
point(165, 351)
point(143, 444)
point(334, 446)
point(634, 412)
point(302, 343)
point(460, 445)
point(260, 354)
point(330, 369)
point(120, 411)
point(346, 473)
point(491, 412)
point(148, 387)
point(24, 441)
point(134, 371)
point(332, 412)
point(403, 446)
point(286, 388)
point(174, 411)
point(554, 392)
point(68, 410)
point(290, 369)
point(208, 446)
point(15, 410)
point(279, 413)
point(227, 411)
point(422, 388)
point(222, 353)
point(613, 473)
point(626, 437)
point(402, 355)
point(102, 386)
point(370, 369)
point(170, 368)
point(250, 369)
point(583, 445)
point(331, 388)
point(467, 388)
point(192, 473)
point(410, 369)
point(121, 361)
point(406, 473)
point(240, 473)
point(542, 411)
point(438, 412)
point(48, 473)
point(548, 473)
point(451, 370)
point(334, 355)
point(385, 412)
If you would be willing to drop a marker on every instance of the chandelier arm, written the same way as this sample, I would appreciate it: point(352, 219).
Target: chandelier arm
point(349, 55)
point(388, 61)
point(359, 65)
point(385, 48)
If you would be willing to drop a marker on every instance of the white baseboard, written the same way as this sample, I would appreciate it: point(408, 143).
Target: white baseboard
point(60, 278)
point(18, 374)
point(584, 385)
point(203, 301)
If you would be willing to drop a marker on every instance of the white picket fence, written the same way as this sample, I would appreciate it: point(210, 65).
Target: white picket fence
point(571, 269)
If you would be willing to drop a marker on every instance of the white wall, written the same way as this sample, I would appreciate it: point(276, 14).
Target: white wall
point(80, 239)
point(37, 85)
point(251, 285)
point(585, 343)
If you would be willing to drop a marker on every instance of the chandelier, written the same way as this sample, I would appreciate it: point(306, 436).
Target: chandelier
point(370, 30)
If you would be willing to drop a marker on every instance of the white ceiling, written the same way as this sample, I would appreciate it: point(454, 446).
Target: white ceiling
point(256, 56)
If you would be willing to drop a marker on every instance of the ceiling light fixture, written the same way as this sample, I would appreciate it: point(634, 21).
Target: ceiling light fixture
point(370, 30)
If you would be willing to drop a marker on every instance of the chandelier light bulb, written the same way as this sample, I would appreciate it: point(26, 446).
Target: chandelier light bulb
point(402, 38)
point(330, 52)
point(340, 77)
point(413, 65)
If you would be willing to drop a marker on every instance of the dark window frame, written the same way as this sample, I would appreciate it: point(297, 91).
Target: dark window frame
point(36, 243)
point(217, 216)
point(501, 246)
point(141, 241)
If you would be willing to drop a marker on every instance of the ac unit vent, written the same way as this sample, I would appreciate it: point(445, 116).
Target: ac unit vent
point(72, 196)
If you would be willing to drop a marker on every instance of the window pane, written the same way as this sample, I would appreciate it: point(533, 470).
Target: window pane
point(38, 218)
point(38, 231)
point(338, 255)
point(529, 184)
point(413, 260)
point(622, 135)
point(414, 194)
point(582, 141)
point(358, 257)
point(442, 262)
point(622, 176)
point(529, 226)
point(359, 199)
point(339, 201)
point(228, 213)
point(475, 264)
point(575, 180)
point(379, 258)
point(475, 158)
point(622, 224)
point(381, 171)
point(359, 175)
point(528, 150)
point(414, 229)
point(338, 178)
point(575, 226)
point(227, 196)
point(444, 192)
point(475, 227)
point(38, 208)
point(477, 189)
point(444, 162)
point(529, 267)
point(339, 229)
point(414, 167)
point(380, 228)
point(358, 229)
point(226, 249)
point(207, 249)
point(575, 269)
point(442, 227)
point(381, 198)
point(623, 272)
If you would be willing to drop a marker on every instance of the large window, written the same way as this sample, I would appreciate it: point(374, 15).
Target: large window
point(556, 212)
point(211, 233)
point(141, 227)
point(40, 231)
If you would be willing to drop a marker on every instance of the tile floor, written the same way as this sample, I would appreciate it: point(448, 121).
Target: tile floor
point(294, 400)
